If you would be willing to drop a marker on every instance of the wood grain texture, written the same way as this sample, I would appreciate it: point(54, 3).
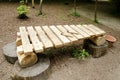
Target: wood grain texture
point(27, 47)
point(63, 39)
point(84, 34)
point(37, 44)
point(65, 33)
point(9, 51)
point(36, 72)
point(43, 37)
point(76, 34)
point(55, 40)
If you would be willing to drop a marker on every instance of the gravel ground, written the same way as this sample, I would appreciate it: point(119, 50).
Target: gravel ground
point(63, 67)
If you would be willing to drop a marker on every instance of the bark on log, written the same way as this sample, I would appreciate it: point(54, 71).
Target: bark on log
point(9, 52)
point(39, 71)
point(26, 60)
point(98, 40)
point(97, 51)
point(18, 42)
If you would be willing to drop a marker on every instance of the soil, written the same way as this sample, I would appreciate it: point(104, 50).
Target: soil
point(63, 67)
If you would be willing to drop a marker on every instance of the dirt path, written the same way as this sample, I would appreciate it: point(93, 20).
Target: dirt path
point(63, 67)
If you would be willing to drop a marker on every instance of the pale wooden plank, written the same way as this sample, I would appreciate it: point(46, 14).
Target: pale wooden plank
point(27, 47)
point(20, 50)
point(18, 35)
point(65, 33)
point(64, 39)
point(85, 30)
point(85, 35)
point(57, 43)
point(97, 29)
point(76, 34)
point(92, 29)
point(70, 30)
point(37, 44)
point(43, 37)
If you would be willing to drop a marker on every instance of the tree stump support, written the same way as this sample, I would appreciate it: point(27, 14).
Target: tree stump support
point(39, 71)
point(94, 50)
point(9, 51)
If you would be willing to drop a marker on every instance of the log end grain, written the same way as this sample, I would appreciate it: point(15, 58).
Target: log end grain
point(32, 72)
point(9, 52)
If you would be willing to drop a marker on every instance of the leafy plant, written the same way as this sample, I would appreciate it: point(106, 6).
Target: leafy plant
point(22, 10)
point(80, 54)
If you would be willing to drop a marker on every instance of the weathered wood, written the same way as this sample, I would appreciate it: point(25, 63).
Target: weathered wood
point(18, 35)
point(18, 41)
point(97, 51)
point(27, 47)
point(85, 30)
point(97, 29)
point(92, 29)
point(43, 37)
point(9, 52)
point(98, 40)
point(39, 71)
point(37, 44)
point(85, 35)
point(20, 50)
point(26, 60)
point(53, 37)
point(57, 43)
point(63, 39)
point(76, 34)
point(65, 33)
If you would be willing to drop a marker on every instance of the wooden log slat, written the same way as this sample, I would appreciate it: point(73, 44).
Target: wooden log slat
point(20, 49)
point(85, 35)
point(92, 29)
point(57, 43)
point(27, 47)
point(26, 60)
point(63, 39)
point(76, 34)
point(18, 35)
point(85, 30)
point(43, 37)
point(97, 29)
point(37, 44)
point(65, 33)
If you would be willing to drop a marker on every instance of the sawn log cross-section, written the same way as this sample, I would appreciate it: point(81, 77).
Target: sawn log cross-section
point(39, 38)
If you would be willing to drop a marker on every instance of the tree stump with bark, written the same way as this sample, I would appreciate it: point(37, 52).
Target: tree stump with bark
point(9, 52)
point(94, 50)
point(39, 71)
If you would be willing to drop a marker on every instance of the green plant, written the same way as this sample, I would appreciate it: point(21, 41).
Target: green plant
point(80, 54)
point(22, 10)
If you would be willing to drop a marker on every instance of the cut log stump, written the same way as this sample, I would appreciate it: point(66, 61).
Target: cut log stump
point(9, 52)
point(39, 71)
point(94, 50)
point(98, 51)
